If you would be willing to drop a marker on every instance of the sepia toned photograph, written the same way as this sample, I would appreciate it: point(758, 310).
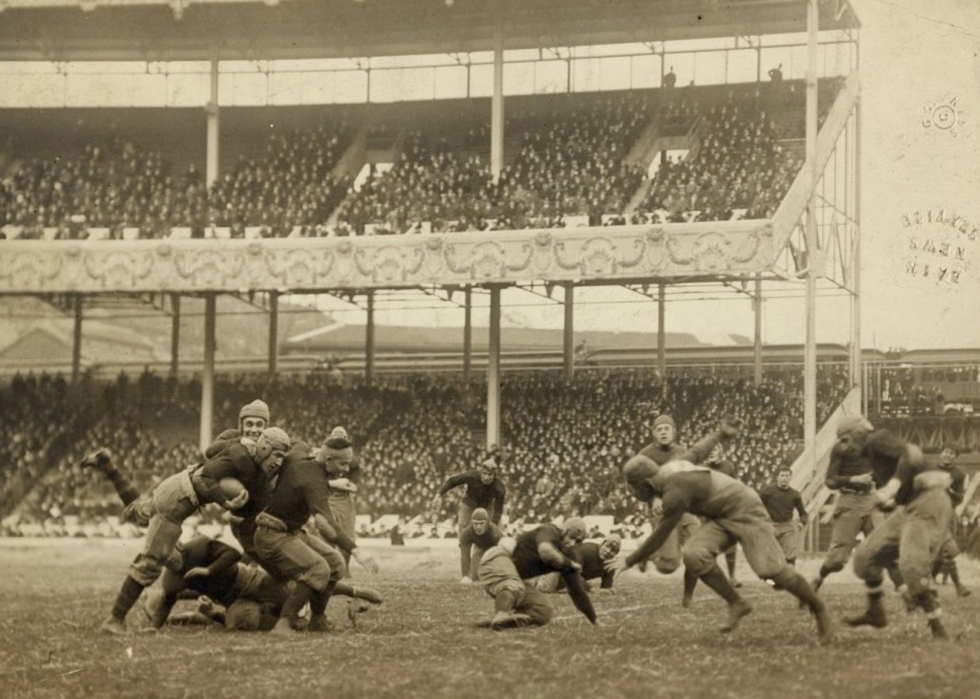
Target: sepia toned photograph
point(538, 349)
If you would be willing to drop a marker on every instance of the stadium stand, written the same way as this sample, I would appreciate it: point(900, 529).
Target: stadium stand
point(567, 440)
point(568, 158)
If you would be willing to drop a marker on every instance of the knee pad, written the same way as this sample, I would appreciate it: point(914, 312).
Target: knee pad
point(145, 570)
point(697, 562)
point(318, 576)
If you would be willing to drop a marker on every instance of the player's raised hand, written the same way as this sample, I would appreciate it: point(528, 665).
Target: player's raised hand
point(366, 560)
point(617, 566)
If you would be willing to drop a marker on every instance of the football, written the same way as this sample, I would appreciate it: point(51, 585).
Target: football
point(231, 487)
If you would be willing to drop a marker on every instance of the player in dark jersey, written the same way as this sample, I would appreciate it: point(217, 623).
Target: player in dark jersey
point(856, 511)
point(252, 419)
point(180, 495)
point(483, 489)
point(781, 500)
point(946, 563)
point(474, 541)
point(542, 550)
point(240, 596)
point(913, 533)
point(303, 491)
point(732, 512)
point(593, 557)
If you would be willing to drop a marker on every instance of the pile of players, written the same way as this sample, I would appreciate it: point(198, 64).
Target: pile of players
point(294, 518)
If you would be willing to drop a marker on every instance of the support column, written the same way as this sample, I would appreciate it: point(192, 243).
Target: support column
point(568, 334)
point(207, 377)
point(493, 370)
point(174, 335)
point(757, 355)
point(76, 343)
point(661, 332)
point(856, 252)
point(497, 105)
point(812, 238)
point(273, 332)
point(369, 341)
point(213, 126)
point(467, 336)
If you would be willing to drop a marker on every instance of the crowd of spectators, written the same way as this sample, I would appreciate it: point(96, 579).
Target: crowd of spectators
point(118, 186)
point(569, 161)
point(566, 439)
point(566, 159)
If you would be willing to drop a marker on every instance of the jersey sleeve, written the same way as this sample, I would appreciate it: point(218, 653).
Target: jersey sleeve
point(222, 442)
point(229, 463)
point(454, 481)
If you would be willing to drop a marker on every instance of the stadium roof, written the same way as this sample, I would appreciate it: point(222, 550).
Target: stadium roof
point(151, 30)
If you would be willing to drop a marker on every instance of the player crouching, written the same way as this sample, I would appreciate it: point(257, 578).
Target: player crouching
point(545, 549)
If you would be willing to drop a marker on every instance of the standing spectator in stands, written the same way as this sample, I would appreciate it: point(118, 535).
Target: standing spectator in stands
point(780, 501)
point(776, 74)
point(670, 79)
point(474, 541)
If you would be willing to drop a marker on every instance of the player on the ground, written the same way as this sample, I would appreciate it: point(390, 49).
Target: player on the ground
point(542, 550)
point(780, 500)
point(101, 460)
point(248, 597)
point(946, 563)
point(474, 541)
point(593, 557)
point(303, 491)
point(913, 533)
point(180, 495)
point(732, 512)
point(484, 489)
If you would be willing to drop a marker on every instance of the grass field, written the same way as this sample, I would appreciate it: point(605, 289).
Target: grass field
point(422, 643)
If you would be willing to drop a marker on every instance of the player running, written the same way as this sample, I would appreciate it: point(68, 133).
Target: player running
point(732, 513)
point(913, 533)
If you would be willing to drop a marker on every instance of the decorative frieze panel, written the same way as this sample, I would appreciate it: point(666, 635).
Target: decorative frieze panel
point(606, 253)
